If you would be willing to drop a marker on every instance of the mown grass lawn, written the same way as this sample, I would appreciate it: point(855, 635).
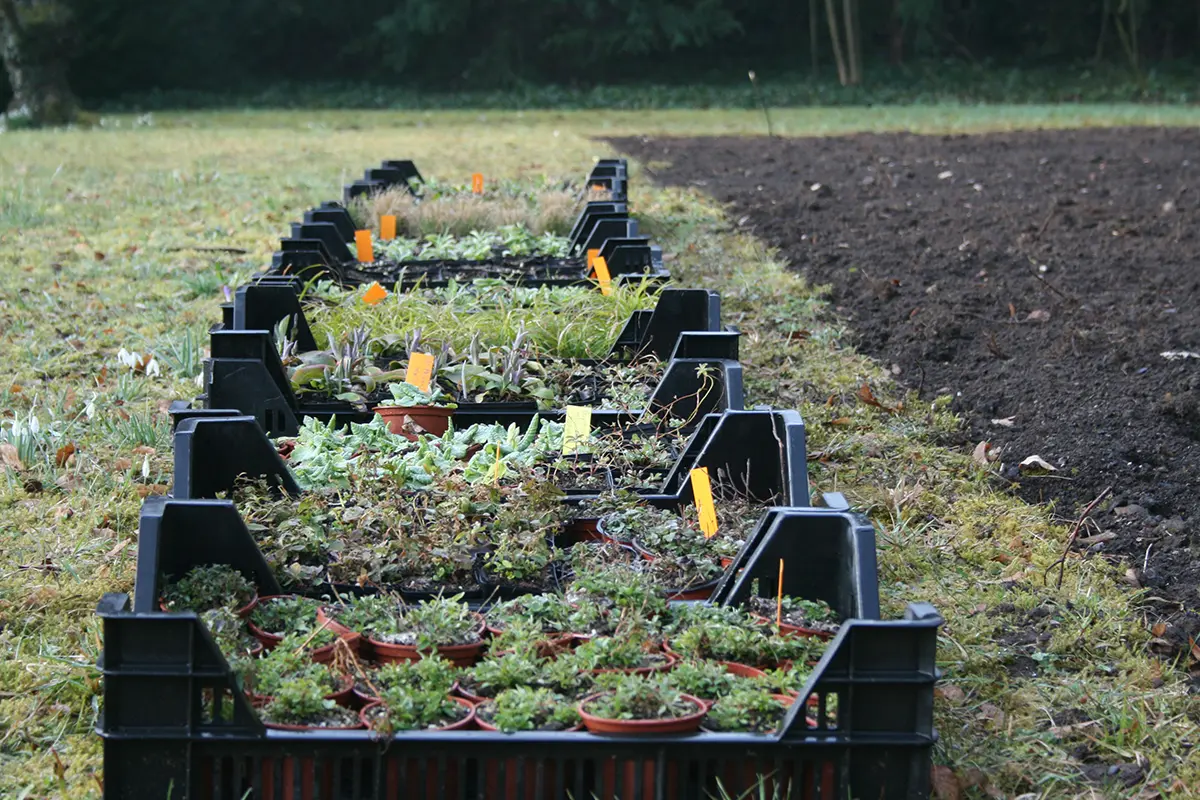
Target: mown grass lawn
point(122, 238)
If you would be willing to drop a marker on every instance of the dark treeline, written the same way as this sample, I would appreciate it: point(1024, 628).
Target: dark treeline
point(129, 46)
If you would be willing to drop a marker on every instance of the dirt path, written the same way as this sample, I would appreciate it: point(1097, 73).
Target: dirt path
point(1037, 277)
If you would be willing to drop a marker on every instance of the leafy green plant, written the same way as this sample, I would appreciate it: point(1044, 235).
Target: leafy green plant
point(288, 661)
point(433, 675)
point(641, 697)
point(439, 622)
point(812, 614)
point(705, 679)
point(496, 673)
point(292, 615)
point(407, 709)
point(628, 649)
point(747, 710)
point(229, 632)
point(406, 395)
point(523, 708)
point(301, 701)
point(207, 587)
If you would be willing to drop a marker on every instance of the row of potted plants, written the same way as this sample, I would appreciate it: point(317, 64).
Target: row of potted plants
point(582, 660)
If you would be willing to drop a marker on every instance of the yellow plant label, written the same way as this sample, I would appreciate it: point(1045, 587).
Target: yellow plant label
point(420, 371)
point(592, 255)
point(362, 240)
point(577, 430)
point(477, 183)
point(702, 492)
point(387, 227)
point(779, 599)
point(601, 267)
point(374, 293)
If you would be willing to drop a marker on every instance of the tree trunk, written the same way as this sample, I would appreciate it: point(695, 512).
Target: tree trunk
point(831, 16)
point(814, 25)
point(853, 51)
point(37, 71)
point(896, 48)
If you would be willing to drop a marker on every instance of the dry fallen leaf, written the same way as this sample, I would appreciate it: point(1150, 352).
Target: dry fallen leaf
point(841, 421)
point(992, 712)
point(944, 783)
point(951, 693)
point(122, 464)
point(144, 450)
point(980, 454)
point(1038, 315)
point(64, 454)
point(1036, 463)
point(867, 396)
point(10, 456)
point(1159, 629)
point(1005, 422)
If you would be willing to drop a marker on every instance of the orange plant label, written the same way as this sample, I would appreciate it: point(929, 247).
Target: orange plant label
point(387, 227)
point(374, 293)
point(362, 240)
point(702, 492)
point(477, 183)
point(779, 598)
point(601, 267)
point(592, 255)
point(420, 371)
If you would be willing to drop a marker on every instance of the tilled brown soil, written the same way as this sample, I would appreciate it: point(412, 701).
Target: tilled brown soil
point(1038, 277)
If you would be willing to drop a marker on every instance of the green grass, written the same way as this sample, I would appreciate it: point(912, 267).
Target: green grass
point(100, 261)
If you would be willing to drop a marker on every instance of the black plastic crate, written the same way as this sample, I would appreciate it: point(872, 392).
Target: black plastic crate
point(320, 246)
point(762, 452)
point(175, 724)
point(245, 374)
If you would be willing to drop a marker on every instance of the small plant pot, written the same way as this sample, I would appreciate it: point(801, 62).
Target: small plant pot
point(742, 670)
point(363, 698)
point(554, 645)
point(726, 562)
point(796, 630)
point(242, 612)
point(641, 550)
point(460, 655)
point(343, 696)
point(434, 420)
point(685, 724)
point(701, 592)
point(366, 713)
point(787, 700)
point(665, 666)
point(282, 726)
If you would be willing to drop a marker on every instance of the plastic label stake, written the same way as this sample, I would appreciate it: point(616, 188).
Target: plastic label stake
point(420, 371)
point(374, 293)
point(477, 183)
point(577, 429)
point(702, 492)
point(601, 267)
point(779, 599)
point(362, 240)
point(592, 255)
point(387, 227)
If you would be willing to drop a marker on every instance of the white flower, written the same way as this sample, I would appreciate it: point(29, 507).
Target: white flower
point(152, 368)
point(146, 466)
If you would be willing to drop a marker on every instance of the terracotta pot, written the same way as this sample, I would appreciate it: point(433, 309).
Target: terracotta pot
point(640, 549)
point(795, 630)
point(362, 698)
point(466, 722)
point(702, 592)
point(434, 420)
point(787, 701)
point(553, 645)
point(670, 662)
point(460, 655)
point(726, 562)
point(242, 612)
point(685, 724)
point(280, 726)
point(343, 696)
point(741, 670)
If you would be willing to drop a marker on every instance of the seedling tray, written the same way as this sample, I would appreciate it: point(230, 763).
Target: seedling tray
point(246, 375)
point(762, 452)
point(321, 246)
point(174, 722)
